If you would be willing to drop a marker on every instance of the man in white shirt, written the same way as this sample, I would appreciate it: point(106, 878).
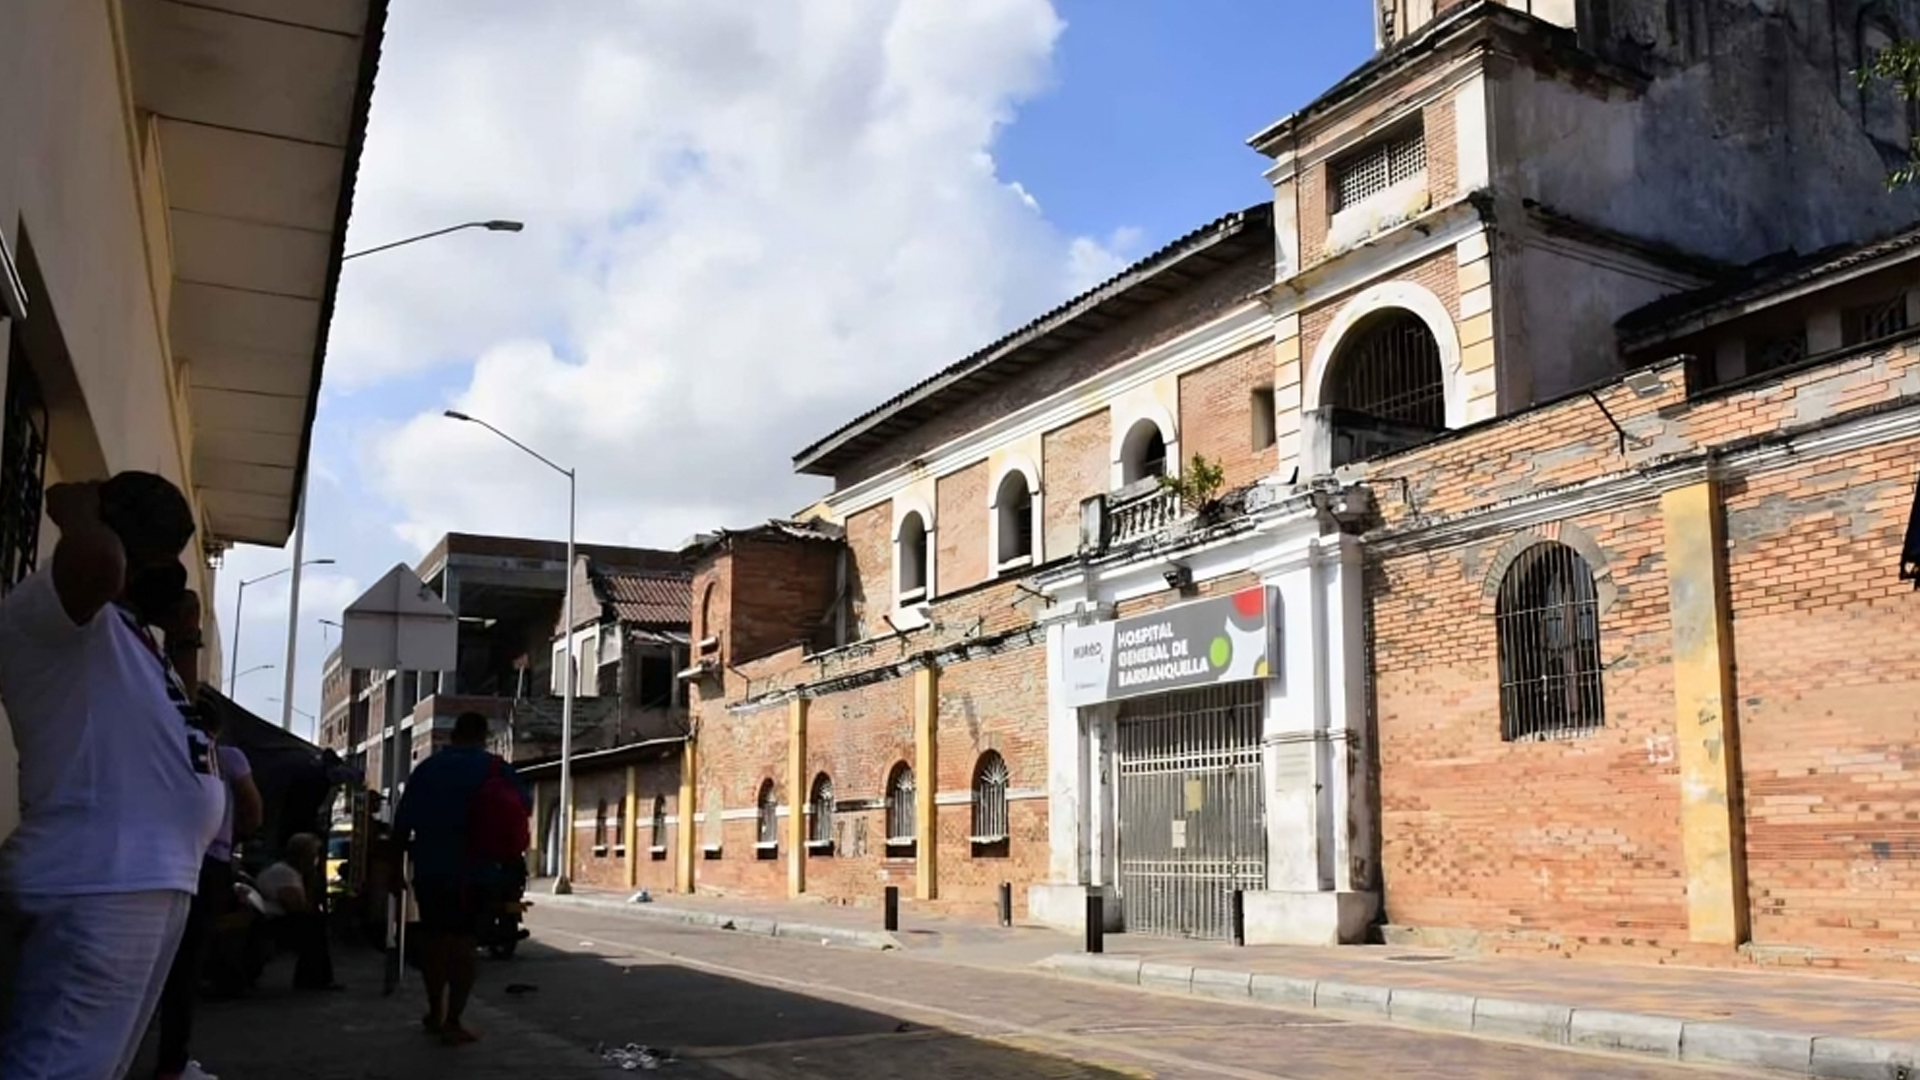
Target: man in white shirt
point(120, 794)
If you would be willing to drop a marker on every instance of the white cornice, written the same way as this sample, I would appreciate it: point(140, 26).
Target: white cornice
point(1243, 328)
point(1438, 230)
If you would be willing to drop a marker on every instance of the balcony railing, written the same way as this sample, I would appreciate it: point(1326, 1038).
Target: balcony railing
point(1144, 514)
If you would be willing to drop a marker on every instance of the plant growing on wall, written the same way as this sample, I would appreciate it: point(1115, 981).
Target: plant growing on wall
point(1198, 485)
point(1897, 65)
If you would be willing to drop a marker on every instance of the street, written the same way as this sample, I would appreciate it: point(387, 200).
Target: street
point(751, 1007)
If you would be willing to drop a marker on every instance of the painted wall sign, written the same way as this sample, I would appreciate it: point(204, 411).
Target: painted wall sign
point(1218, 640)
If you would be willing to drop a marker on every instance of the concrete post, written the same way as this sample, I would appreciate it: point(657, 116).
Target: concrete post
point(797, 796)
point(686, 838)
point(630, 839)
point(926, 783)
point(1705, 731)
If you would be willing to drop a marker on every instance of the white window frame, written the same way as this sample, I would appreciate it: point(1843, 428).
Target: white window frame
point(997, 523)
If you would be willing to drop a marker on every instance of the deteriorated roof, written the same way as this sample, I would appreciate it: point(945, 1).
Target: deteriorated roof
point(647, 599)
point(1151, 280)
point(813, 530)
point(1757, 282)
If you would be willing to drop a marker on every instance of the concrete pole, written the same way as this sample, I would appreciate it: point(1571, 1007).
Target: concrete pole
point(563, 884)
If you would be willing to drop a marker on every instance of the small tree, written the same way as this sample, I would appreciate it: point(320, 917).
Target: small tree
point(1897, 65)
point(1199, 485)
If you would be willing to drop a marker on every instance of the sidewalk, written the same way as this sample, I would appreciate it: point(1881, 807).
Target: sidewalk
point(359, 1034)
point(1789, 1023)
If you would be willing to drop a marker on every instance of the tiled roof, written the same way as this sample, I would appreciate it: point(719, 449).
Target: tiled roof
point(1758, 281)
point(648, 599)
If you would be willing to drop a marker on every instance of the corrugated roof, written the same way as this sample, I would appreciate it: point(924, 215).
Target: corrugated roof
point(648, 599)
point(1758, 281)
point(1143, 283)
point(812, 530)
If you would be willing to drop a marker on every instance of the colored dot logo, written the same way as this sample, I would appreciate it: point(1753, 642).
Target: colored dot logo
point(1220, 652)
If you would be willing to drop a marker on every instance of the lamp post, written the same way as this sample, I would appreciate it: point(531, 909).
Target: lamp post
point(561, 885)
point(244, 674)
point(240, 600)
point(300, 515)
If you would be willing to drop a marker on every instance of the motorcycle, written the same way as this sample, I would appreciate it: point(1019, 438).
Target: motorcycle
point(500, 932)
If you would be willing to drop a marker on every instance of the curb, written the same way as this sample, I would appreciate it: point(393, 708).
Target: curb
point(713, 920)
point(1668, 1038)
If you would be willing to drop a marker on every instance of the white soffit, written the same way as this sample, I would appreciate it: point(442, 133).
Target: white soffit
point(255, 102)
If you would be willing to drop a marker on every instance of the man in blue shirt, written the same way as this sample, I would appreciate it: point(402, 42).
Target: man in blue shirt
point(452, 886)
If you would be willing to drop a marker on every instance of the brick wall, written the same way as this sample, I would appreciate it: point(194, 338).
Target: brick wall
point(1075, 463)
point(960, 523)
point(856, 738)
point(1215, 296)
point(1439, 274)
point(1216, 415)
point(869, 569)
point(606, 867)
point(738, 752)
point(997, 703)
point(779, 591)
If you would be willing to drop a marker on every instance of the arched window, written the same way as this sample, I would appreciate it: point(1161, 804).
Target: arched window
point(1386, 389)
point(658, 840)
point(769, 814)
point(913, 558)
point(705, 629)
point(1548, 625)
point(820, 804)
point(990, 799)
point(1143, 453)
point(600, 829)
point(620, 827)
point(900, 821)
point(1013, 511)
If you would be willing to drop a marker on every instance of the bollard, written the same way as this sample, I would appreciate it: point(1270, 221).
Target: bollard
point(1006, 903)
point(892, 908)
point(1096, 923)
point(1239, 917)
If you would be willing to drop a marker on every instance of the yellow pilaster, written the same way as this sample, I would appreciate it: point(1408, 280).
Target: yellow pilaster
point(797, 797)
point(926, 783)
point(686, 837)
point(632, 831)
point(1705, 728)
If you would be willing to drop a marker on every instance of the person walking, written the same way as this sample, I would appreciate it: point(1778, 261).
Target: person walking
point(463, 816)
point(244, 811)
point(120, 792)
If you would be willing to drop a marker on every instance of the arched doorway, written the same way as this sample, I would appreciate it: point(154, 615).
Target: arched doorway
point(1385, 389)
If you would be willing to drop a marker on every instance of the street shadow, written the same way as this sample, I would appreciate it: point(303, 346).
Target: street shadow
point(718, 1026)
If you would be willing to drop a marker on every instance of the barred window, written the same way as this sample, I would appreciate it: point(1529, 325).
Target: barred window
point(769, 813)
point(1871, 322)
point(1386, 389)
point(23, 471)
point(900, 823)
point(820, 829)
point(600, 829)
point(990, 799)
point(1376, 167)
point(1548, 626)
point(1781, 350)
point(659, 839)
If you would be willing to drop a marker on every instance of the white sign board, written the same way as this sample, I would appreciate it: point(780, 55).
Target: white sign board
point(400, 625)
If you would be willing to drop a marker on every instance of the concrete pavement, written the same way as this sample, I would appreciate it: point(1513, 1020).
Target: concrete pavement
point(1780, 1022)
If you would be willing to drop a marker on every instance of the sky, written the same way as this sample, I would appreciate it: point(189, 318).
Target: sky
point(746, 223)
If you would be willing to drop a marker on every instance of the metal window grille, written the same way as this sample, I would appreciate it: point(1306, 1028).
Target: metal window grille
point(600, 829)
point(990, 799)
point(1192, 810)
point(913, 556)
point(900, 823)
point(23, 471)
point(820, 830)
point(659, 839)
point(769, 814)
point(1871, 322)
point(1388, 390)
point(1548, 629)
point(1373, 169)
point(1781, 351)
point(1016, 518)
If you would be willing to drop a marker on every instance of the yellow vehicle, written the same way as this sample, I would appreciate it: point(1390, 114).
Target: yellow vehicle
point(339, 860)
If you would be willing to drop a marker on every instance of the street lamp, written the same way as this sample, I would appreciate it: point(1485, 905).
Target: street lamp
point(490, 226)
point(244, 674)
point(300, 516)
point(561, 885)
point(302, 712)
point(241, 599)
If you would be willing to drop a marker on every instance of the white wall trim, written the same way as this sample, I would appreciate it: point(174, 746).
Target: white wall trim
point(1413, 297)
point(1136, 412)
point(1240, 329)
point(905, 503)
point(1389, 253)
point(1025, 466)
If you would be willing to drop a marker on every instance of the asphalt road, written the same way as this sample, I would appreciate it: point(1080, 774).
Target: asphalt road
point(735, 1007)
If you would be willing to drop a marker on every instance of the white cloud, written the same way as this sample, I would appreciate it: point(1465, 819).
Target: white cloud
point(746, 224)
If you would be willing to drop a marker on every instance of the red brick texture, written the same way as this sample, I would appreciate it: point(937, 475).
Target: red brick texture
point(960, 513)
point(1576, 844)
point(606, 865)
point(1216, 414)
point(1075, 464)
point(1438, 274)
